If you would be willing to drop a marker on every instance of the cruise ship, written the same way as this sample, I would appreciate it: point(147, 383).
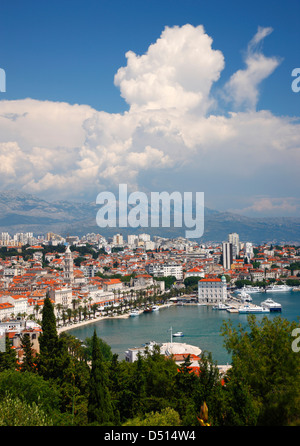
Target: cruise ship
point(278, 288)
point(271, 305)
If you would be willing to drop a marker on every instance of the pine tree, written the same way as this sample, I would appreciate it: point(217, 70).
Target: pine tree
point(28, 363)
point(100, 409)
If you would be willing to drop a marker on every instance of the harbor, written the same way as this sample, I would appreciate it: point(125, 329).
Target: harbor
point(200, 324)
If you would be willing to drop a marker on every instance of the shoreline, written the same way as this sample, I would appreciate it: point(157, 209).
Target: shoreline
point(100, 318)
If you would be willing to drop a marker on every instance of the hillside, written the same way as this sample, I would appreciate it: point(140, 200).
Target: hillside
point(22, 212)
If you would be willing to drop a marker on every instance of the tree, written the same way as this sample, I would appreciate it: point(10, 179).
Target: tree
point(266, 368)
point(167, 417)
point(53, 359)
point(15, 412)
point(8, 358)
point(100, 409)
point(28, 362)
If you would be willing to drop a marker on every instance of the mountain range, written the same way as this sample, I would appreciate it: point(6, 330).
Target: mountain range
point(22, 212)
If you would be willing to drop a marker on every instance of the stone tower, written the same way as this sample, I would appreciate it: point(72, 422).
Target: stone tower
point(68, 266)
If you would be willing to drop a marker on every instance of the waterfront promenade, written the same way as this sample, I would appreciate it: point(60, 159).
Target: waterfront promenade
point(93, 320)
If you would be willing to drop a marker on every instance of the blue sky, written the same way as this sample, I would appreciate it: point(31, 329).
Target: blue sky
point(69, 52)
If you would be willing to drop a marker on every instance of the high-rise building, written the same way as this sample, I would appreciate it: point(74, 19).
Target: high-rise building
point(234, 239)
point(227, 255)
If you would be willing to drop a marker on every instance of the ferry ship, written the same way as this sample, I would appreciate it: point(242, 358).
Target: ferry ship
point(271, 305)
point(251, 309)
point(278, 288)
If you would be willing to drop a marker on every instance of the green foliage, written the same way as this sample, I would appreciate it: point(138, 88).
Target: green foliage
point(53, 361)
point(28, 363)
point(167, 417)
point(8, 359)
point(169, 280)
point(100, 410)
point(15, 412)
point(104, 347)
point(80, 386)
point(31, 389)
point(265, 370)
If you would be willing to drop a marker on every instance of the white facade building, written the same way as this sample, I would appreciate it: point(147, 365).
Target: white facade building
point(234, 239)
point(212, 291)
point(165, 270)
point(62, 296)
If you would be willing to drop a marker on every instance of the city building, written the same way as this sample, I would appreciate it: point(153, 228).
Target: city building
point(212, 290)
point(227, 255)
point(234, 239)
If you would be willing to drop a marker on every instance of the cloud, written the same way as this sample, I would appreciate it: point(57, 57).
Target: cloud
point(273, 206)
point(243, 86)
point(177, 71)
point(169, 136)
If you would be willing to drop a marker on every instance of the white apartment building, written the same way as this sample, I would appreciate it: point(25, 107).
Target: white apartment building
point(165, 270)
point(118, 240)
point(234, 239)
point(197, 271)
point(19, 303)
point(212, 291)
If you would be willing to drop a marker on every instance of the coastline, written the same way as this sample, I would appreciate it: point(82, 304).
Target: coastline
point(99, 318)
point(89, 321)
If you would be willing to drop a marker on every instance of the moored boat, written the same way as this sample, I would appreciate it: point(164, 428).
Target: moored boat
point(178, 334)
point(251, 309)
point(278, 288)
point(245, 297)
point(271, 305)
point(155, 308)
point(221, 306)
point(147, 309)
point(134, 313)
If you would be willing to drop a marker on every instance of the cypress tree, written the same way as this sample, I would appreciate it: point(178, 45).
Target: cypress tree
point(100, 409)
point(28, 363)
point(53, 359)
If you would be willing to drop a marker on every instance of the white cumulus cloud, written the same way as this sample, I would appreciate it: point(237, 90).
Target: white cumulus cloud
point(169, 135)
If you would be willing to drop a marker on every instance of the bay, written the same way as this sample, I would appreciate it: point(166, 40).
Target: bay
point(200, 325)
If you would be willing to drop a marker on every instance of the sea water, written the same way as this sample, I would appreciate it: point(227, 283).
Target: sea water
point(201, 325)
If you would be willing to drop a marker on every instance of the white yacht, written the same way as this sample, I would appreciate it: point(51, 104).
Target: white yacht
point(221, 306)
point(134, 313)
point(155, 308)
point(278, 288)
point(271, 305)
point(251, 309)
point(252, 289)
point(179, 334)
point(245, 297)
